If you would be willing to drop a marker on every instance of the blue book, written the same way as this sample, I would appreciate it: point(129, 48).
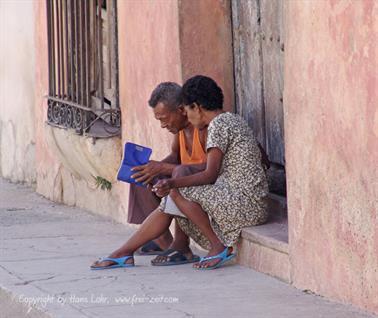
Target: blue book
point(134, 155)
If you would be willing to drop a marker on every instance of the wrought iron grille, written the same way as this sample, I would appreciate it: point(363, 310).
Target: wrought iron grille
point(83, 66)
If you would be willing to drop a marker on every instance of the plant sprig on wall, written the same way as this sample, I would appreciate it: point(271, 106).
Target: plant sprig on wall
point(102, 183)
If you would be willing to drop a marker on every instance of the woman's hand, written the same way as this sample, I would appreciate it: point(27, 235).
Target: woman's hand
point(162, 187)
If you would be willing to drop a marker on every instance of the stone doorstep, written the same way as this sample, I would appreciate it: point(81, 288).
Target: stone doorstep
point(270, 235)
point(277, 206)
point(265, 248)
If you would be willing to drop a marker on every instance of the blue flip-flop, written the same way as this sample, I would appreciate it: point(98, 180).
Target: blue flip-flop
point(222, 256)
point(120, 262)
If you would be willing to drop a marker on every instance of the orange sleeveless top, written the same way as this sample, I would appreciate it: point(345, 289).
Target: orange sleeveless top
point(198, 154)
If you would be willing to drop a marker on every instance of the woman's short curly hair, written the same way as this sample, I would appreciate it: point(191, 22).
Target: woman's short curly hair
point(203, 91)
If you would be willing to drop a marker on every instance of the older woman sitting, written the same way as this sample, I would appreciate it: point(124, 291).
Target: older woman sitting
point(230, 193)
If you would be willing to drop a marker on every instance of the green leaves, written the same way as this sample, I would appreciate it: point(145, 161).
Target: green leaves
point(103, 183)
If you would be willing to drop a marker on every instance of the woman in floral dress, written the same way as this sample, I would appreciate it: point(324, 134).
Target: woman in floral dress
point(230, 193)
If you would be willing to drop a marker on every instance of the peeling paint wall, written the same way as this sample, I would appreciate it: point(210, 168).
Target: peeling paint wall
point(161, 41)
point(66, 162)
point(17, 137)
point(150, 52)
point(331, 138)
point(206, 43)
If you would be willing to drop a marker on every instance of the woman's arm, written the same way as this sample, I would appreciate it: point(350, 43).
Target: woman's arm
point(208, 176)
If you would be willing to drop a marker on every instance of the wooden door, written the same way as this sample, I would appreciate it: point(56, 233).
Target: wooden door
point(258, 67)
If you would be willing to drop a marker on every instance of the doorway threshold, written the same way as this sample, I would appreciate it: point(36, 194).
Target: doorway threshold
point(265, 248)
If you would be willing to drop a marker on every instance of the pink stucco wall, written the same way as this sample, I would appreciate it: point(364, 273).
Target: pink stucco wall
point(150, 51)
point(206, 43)
point(45, 161)
point(148, 54)
point(159, 41)
point(55, 180)
point(331, 139)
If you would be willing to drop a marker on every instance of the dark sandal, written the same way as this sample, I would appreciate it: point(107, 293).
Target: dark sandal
point(175, 257)
point(150, 248)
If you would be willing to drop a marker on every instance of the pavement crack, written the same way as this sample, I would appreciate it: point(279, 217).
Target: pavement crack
point(35, 280)
point(90, 278)
point(16, 209)
point(11, 273)
point(144, 290)
point(183, 312)
point(82, 311)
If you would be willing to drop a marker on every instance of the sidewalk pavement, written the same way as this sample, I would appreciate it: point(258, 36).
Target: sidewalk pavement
point(46, 250)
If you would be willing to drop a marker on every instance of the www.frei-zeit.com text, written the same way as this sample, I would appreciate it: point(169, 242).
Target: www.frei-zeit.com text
point(96, 299)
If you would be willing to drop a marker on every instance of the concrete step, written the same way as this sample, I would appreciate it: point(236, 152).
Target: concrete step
point(265, 248)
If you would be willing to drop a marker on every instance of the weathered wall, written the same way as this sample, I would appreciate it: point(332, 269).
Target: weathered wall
point(65, 161)
point(160, 41)
point(331, 125)
point(148, 54)
point(206, 43)
point(150, 51)
point(17, 137)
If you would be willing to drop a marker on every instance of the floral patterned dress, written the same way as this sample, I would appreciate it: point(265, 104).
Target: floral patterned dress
point(237, 198)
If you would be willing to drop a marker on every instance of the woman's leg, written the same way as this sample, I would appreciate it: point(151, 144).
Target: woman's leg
point(155, 224)
point(180, 240)
point(199, 217)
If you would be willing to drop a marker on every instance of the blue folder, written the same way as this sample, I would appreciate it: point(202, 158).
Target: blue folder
point(134, 155)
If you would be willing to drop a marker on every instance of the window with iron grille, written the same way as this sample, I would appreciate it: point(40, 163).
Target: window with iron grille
point(83, 66)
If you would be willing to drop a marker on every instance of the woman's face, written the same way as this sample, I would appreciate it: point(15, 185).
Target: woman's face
point(195, 116)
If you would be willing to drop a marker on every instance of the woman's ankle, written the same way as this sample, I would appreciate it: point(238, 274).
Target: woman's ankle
point(218, 246)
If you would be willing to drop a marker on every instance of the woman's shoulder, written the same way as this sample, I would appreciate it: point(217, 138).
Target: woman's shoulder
point(228, 119)
point(233, 122)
